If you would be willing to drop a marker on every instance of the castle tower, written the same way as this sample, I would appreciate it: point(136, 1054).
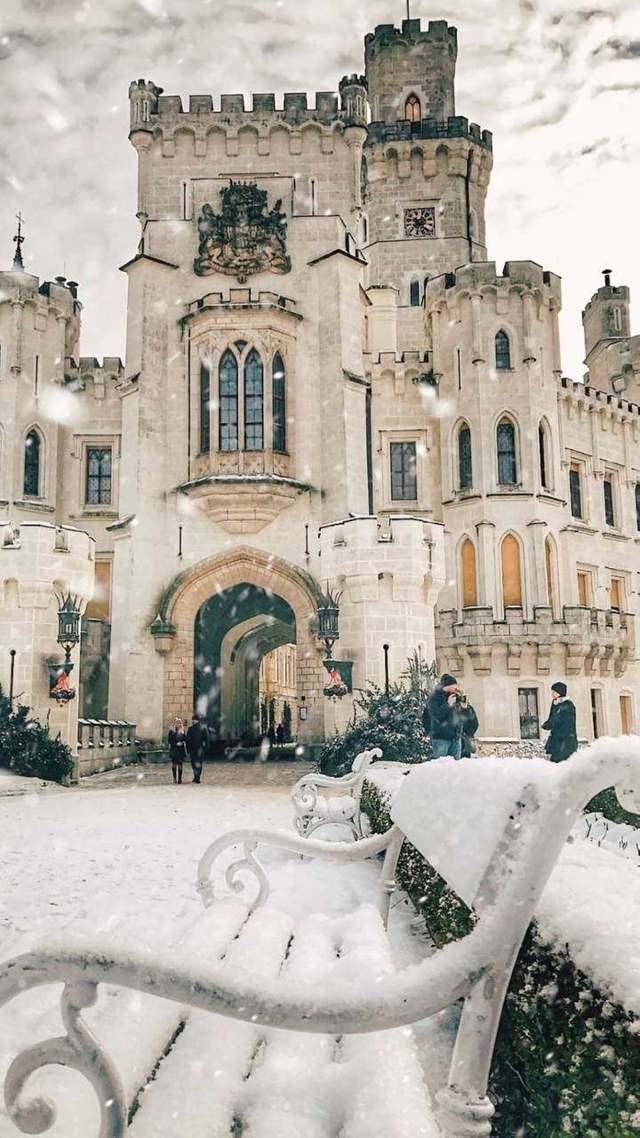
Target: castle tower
point(426, 169)
point(611, 356)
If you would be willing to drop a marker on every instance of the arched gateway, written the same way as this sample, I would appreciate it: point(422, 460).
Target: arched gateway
point(244, 601)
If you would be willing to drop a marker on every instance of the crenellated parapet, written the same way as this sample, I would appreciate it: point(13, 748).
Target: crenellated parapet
point(430, 130)
point(156, 115)
point(520, 277)
point(439, 34)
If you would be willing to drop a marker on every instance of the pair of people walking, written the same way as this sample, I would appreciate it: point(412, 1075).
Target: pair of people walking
point(192, 742)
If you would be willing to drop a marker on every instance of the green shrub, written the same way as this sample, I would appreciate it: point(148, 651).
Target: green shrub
point(607, 803)
point(26, 746)
point(390, 721)
point(567, 1059)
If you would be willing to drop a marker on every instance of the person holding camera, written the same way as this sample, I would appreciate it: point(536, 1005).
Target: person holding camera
point(446, 718)
point(469, 726)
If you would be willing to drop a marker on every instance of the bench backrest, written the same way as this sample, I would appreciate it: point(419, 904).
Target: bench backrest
point(457, 812)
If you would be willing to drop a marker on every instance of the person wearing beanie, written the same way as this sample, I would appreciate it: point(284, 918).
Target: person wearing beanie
point(444, 718)
point(561, 725)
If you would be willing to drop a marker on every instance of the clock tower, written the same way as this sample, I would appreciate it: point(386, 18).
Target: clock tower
point(426, 169)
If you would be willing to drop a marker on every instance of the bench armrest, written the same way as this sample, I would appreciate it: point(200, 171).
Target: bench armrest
point(344, 852)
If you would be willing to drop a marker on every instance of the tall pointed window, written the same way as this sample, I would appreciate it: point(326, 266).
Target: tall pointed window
point(205, 399)
point(465, 461)
point(543, 455)
point(279, 404)
point(228, 376)
point(609, 504)
point(413, 109)
point(414, 293)
point(503, 351)
point(507, 466)
point(253, 402)
point(32, 465)
point(638, 506)
point(469, 574)
point(511, 572)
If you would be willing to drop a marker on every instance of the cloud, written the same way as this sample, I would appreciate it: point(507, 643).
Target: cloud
point(555, 80)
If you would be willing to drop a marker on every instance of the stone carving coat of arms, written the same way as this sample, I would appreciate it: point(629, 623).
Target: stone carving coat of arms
point(245, 238)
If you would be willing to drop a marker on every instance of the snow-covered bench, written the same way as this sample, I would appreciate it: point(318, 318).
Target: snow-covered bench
point(344, 1060)
point(340, 806)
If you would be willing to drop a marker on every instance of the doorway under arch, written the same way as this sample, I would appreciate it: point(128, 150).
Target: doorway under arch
point(234, 630)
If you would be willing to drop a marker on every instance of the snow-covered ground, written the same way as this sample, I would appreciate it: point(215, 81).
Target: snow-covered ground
point(123, 862)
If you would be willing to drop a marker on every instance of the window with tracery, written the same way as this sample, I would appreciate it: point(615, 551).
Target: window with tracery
point(98, 485)
point(253, 402)
point(503, 351)
point(507, 466)
point(228, 413)
point(279, 404)
point(413, 109)
point(205, 400)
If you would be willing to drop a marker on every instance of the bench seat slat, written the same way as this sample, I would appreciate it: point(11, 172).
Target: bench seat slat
point(198, 1083)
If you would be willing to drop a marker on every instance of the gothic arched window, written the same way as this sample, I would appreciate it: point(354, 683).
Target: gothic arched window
point(507, 465)
point(32, 465)
point(253, 402)
point(279, 404)
point(228, 386)
point(511, 572)
point(469, 574)
point(465, 461)
point(503, 351)
point(205, 400)
point(544, 457)
point(414, 293)
point(413, 109)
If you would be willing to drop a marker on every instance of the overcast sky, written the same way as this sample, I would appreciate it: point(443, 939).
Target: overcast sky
point(557, 81)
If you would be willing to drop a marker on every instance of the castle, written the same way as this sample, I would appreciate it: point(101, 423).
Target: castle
point(327, 387)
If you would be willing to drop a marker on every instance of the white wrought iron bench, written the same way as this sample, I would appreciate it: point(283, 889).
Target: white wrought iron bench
point(338, 1063)
point(341, 806)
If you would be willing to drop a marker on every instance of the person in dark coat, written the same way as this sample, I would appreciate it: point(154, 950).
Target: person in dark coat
point(177, 739)
point(445, 718)
point(197, 743)
point(469, 727)
point(561, 725)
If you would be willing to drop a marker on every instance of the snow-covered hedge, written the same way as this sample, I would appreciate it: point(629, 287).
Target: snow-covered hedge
point(567, 1056)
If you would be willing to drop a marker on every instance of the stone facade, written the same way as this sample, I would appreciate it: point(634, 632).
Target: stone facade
point(328, 385)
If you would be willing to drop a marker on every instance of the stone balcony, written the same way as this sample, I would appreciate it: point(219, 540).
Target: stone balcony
point(594, 641)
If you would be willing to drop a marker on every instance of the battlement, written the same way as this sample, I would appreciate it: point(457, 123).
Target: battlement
point(608, 292)
point(439, 33)
point(149, 108)
point(518, 276)
point(593, 395)
point(242, 298)
point(457, 126)
point(111, 365)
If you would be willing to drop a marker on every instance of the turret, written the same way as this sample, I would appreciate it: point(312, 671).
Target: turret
point(606, 316)
point(411, 72)
point(353, 95)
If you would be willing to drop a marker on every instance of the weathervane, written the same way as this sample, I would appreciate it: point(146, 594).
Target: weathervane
point(18, 239)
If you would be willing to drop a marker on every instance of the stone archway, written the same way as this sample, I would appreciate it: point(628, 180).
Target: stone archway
point(243, 565)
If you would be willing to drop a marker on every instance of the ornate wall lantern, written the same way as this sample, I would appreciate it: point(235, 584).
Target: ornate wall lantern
point(68, 623)
point(329, 620)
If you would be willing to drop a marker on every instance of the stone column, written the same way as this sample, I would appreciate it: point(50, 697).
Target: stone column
point(487, 567)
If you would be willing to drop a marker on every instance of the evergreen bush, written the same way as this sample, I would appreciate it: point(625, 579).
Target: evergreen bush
point(567, 1058)
point(27, 747)
point(391, 721)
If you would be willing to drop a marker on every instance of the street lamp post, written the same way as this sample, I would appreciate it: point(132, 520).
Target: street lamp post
point(385, 649)
point(12, 653)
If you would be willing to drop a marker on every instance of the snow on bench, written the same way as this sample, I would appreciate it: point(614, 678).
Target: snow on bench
point(310, 1026)
point(342, 807)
